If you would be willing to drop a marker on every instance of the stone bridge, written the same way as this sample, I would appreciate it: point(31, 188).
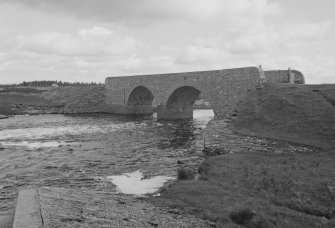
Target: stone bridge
point(174, 94)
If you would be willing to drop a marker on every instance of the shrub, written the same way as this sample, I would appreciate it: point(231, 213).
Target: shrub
point(242, 216)
point(185, 174)
point(214, 151)
point(203, 170)
point(249, 219)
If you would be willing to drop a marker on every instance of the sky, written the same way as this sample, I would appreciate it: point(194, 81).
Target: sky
point(89, 40)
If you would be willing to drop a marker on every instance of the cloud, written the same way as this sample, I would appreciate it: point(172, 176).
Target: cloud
point(302, 34)
point(199, 55)
point(144, 11)
point(96, 41)
point(175, 35)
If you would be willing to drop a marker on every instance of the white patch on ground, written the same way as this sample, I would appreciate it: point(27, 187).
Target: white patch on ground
point(134, 184)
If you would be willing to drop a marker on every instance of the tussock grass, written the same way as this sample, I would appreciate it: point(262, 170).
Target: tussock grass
point(242, 216)
point(185, 174)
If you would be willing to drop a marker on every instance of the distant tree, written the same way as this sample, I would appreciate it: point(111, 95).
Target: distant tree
point(44, 83)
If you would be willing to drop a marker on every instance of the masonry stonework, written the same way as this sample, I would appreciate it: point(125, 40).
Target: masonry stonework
point(174, 94)
point(222, 88)
point(282, 76)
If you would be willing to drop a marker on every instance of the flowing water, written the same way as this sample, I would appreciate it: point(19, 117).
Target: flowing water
point(92, 152)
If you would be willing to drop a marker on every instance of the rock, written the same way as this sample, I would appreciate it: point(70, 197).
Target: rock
point(331, 189)
point(180, 162)
point(64, 166)
point(140, 196)
point(155, 224)
point(213, 151)
point(278, 151)
point(174, 211)
point(324, 220)
point(3, 117)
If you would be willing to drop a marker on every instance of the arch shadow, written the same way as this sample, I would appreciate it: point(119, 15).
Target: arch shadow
point(140, 101)
point(180, 103)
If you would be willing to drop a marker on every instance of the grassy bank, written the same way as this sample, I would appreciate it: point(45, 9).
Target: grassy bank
point(297, 113)
point(277, 187)
point(22, 100)
point(282, 190)
point(5, 110)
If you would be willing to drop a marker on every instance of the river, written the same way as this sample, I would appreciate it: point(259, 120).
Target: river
point(89, 151)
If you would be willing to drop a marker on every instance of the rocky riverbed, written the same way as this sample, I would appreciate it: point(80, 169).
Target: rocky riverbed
point(82, 152)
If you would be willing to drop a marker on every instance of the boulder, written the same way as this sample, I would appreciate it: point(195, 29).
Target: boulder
point(3, 117)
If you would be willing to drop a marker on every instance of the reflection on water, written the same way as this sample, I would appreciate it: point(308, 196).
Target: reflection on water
point(135, 184)
point(177, 135)
point(82, 151)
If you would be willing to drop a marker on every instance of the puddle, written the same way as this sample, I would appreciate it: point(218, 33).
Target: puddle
point(134, 184)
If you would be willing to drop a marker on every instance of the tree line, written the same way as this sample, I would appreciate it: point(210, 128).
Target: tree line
point(45, 83)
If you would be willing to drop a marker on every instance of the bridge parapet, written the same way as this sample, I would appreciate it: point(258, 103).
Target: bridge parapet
point(283, 76)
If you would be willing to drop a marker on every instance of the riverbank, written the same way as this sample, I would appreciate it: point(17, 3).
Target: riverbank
point(51, 100)
point(302, 114)
point(286, 181)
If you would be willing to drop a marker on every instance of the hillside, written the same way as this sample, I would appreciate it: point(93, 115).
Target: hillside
point(298, 113)
point(33, 100)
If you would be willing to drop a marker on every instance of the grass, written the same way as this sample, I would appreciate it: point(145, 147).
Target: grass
point(24, 90)
point(266, 189)
point(277, 187)
point(44, 97)
point(297, 113)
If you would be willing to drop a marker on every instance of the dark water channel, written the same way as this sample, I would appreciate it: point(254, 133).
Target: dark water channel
point(83, 151)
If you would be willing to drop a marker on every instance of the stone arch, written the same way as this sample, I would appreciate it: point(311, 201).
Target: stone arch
point(140, 96)
point(179, 104)
point(182, 97)
point(140, 101)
